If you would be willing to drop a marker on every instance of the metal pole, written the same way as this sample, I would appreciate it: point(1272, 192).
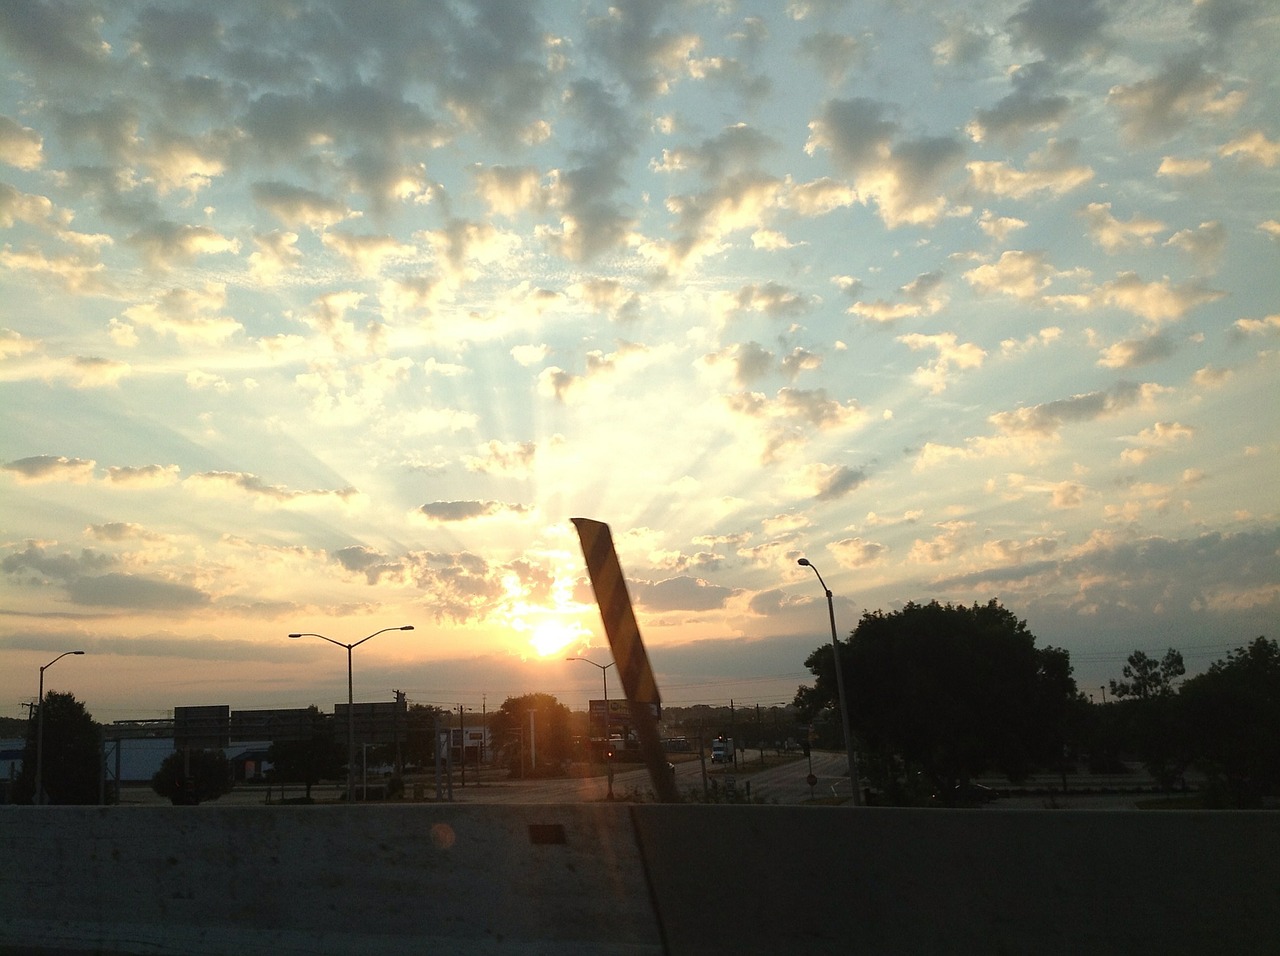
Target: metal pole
point(844, 708)
point(604, 751)
point(351, 733)
point(351, 701)
point(39, 794)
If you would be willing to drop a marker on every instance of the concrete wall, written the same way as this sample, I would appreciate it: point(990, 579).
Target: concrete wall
point(634, 880)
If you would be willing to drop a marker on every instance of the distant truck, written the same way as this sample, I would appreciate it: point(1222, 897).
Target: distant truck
point(722, 750)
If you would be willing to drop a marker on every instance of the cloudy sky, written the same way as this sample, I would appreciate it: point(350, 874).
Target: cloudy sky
point(329, 316)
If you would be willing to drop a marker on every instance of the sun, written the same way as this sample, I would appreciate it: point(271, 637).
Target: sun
point(553, 636)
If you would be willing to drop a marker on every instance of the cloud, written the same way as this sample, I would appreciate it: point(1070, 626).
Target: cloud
point(145, 476)
point(953, 537)
point(1114, 235)
point(791, 417)
point(1254, 147)
point(514, 459)
point(1158, 436)
point(192, 315)
point(1167, 588)
point(42, 468)
point(1205, 244)
point(366, 253)
point(86, 580)
point(1183, 167)
point(1135, 352)
point(511, 190)
point(1062, 32)
point(79, 270)
point(962, 44)
point(1027, 109)
point(1154, 109)
point(1024, 275)
point(443, 512)
point(902, 179)
point(60, 38)
point(166, 244)
point(682, 593)
point(1050, 170)
point(951, 354)
point(923, 295)
point(297, 207)
point(1270, 324)
point(238, 483)
point(1158, 302)
point(135, 592)
point(1045, 420)
point(834, 54)
point(14, 344)
point(831, 483)
point(857, 552)
point(999, 228)
point(19, 146)
point(646, 55)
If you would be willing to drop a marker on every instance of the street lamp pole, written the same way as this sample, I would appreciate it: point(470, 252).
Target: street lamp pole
point(604, 677)
point(39, 794)
point(844, 708)
point(351, 701)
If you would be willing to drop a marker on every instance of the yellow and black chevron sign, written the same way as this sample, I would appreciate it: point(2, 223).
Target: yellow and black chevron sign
point(628, 649)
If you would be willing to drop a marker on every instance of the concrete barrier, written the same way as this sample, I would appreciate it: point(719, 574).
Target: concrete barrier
point(767, 880)
point(323, 880)
point(644, 879)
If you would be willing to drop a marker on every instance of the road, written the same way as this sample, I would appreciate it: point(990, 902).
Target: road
point(776, 783)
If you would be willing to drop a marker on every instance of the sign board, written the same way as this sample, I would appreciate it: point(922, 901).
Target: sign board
point(379, 722)
point(621, 712)
point(296, 723)
point(204, 728)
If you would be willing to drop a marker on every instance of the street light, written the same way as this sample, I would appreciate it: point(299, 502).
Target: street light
point(351, 703)
point(604, 676)
point(844, 709)
point(40, 730)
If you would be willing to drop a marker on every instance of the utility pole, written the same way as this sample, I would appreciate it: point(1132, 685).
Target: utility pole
point(462, 744)
point(759, 733)
point(395, 730)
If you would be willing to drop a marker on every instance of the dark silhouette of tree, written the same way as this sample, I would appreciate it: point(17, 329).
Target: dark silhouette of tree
point(509, 727)
point(420, 726)
point(949, 690)
point(311, 759)
point(1150, 717)
point(72, 754)
point(1145, 677)
point(188, 778)
point(1232, 713)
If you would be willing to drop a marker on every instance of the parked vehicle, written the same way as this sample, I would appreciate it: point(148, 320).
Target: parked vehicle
point(722, 750)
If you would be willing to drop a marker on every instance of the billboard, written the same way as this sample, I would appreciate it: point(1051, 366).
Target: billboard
point(205, 727)
point(379, 722)
point(620, 714)
point(296, 723)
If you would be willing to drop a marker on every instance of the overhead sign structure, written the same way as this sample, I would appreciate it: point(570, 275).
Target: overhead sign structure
point(628, 649)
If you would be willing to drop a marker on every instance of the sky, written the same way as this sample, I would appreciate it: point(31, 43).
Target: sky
point(328, 317)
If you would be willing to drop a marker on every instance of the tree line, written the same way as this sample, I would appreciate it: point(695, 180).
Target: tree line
point(940, 693)
point(937, 694)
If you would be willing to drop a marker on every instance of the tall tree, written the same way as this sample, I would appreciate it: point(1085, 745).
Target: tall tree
point(1150, 717)
point(549, 735)
point(1146, 677)
point(1233, 716)
point(72, 753)
point(950, 690)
